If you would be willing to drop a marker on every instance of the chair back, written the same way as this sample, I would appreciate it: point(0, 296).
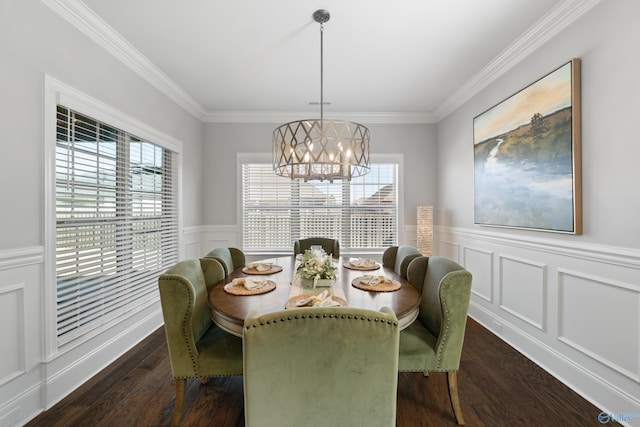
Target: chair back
point(321, 367)
point(185, 309)
point(230, 258)
point(399, 257)
point(330, 246)
point(446, 291)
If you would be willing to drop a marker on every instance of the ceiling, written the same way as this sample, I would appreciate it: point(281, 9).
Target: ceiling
point(410, 60)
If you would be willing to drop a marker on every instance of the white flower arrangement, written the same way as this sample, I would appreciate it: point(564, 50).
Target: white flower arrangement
point(315, 266)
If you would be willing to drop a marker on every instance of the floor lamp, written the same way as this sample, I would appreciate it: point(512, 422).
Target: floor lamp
point(425, 230)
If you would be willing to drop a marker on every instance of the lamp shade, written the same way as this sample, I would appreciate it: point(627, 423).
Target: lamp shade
point(319, 149)
point(425, 230)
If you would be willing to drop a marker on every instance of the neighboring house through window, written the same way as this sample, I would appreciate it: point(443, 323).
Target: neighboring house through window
point(362, 213)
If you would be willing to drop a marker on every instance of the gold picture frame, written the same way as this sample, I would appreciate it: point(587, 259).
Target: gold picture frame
point(527, 157)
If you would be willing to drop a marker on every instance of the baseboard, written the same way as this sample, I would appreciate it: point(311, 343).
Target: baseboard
point(604, 395)
point(57, 385)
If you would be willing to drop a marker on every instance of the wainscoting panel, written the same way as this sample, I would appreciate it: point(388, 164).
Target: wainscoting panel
point(480, 263)
point(523, 289)
point(571, 307)
point(449, 250)
point(219, 236)
point(198, 241)
point(20, 352)
point(193, 249)
point(599, 317)
point(31, 379)
point(12, 350)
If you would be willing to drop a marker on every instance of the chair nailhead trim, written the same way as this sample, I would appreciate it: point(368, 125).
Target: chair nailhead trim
point(324, 315)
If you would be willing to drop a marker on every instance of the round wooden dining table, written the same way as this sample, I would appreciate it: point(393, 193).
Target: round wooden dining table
point(229, 311)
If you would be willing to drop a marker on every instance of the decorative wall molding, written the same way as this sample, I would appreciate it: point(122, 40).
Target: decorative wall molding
point(523, 276)
point(12, 306)
point(93, 26)
point(613, 255)
point(593, 387)
point(600, 337)
point(21, 257)
point(32, 379)
point(558, 18)
point(571, 307)
point(480, 262)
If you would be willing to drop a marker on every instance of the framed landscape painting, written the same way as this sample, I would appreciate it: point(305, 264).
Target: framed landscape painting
point(527, 157)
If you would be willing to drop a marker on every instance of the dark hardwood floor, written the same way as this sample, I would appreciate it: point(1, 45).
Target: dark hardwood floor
point(497, 385)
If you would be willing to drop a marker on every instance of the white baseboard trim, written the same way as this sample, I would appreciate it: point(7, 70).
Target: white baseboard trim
point(59, 384)
point(602, 394)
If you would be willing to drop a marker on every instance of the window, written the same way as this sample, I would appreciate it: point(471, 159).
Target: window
point(116, 222)
point(362, 214)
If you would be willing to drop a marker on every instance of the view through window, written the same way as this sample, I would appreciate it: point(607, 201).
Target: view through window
point(116, 222)
point(361, 214)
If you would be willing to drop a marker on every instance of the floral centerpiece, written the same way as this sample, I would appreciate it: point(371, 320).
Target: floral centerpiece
point(315, 266)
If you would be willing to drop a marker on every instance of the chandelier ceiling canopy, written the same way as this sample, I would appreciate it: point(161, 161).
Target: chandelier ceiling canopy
point(320, 149)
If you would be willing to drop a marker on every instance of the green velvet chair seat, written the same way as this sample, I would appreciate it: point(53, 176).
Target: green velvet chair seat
point(418, 349)
point(218, 354)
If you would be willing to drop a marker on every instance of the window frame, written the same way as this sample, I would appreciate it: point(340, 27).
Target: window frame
point(59, 93)
point(244, 158)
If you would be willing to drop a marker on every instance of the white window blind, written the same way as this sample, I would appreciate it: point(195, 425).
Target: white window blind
point(116, 222)
point(361, 214)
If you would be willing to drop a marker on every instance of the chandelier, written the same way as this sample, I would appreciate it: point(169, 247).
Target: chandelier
point(319, 149)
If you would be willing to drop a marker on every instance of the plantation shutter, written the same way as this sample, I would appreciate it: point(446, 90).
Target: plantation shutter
point(116, 222)
point(361, 214)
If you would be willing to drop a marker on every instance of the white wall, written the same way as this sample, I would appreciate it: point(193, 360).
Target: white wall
point(572, 303)
point(36, 41)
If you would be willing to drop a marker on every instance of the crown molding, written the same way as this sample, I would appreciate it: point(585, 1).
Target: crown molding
point(547, 27)
point(89, 23)
point(289, 116)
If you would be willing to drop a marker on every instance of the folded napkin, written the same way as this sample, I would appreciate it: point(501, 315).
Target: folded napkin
point(250, 283)
point(373, 280)
point(321, 300)
point(360, 262)
point(261, 266)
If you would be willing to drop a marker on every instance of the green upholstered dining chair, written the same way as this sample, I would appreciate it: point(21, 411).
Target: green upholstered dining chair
point(230, 258)
point(321, 367)
point(433, 343)
point(399, 257)
point(330, 246)
point(197, 347)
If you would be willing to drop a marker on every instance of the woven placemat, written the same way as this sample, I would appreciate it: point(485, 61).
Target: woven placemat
point(291, 302)
point(388, 286)
point(357, 267)
point(234, 288)
point(272, 270)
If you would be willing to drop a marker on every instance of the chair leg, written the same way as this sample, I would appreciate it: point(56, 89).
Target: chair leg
point(452, 381)
point(177, 408)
